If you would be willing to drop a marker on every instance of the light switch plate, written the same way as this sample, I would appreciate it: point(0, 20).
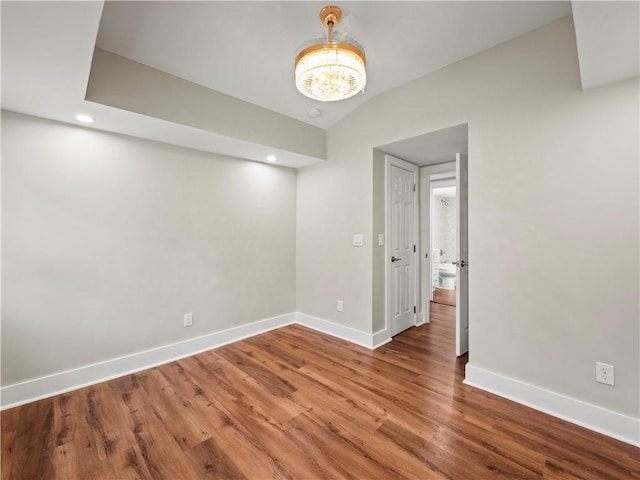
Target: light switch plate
point(358, 240)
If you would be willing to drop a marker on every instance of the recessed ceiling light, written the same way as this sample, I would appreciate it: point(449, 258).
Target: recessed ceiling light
point(84, 118)
point(271, 158)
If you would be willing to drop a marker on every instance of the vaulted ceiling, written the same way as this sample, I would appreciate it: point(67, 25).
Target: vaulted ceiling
point(218, 76)
point(247, 49)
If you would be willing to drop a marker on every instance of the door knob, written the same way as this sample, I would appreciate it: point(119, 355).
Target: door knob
point(395, 259)
point(461, 263)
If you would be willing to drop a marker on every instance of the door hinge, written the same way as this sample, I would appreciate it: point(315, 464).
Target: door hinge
point(414, 309)
point(414, 187)
point(414, 249)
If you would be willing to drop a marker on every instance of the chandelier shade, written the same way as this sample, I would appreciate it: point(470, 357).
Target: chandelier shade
point(330, 71)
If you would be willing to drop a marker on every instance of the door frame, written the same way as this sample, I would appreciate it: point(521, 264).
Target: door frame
point(462, 251)
point(390, 160)
point(428, 174)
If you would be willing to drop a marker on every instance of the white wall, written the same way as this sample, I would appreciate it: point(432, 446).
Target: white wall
point(444, 211)
point(334, 202)
point(541, 152)
point(122, 83)
point(378, 254)
point(108, 240)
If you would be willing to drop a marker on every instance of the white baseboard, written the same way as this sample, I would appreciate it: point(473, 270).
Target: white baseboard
point(590, 416)
point(380, 338)
point(335, 329)
point(587, 415)
point(61, 382)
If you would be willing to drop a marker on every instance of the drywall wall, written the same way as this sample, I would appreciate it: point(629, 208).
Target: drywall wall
point(378, 291)
point(553, 204)
point(122, 83)
point(108, 240)
point(333, 204)
point(444, 223)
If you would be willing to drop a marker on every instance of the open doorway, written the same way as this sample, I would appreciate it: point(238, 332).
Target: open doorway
point(444, 235)
point(441, 156)
point(444, 241)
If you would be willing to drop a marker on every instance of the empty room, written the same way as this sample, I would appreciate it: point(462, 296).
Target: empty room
point(311, 240)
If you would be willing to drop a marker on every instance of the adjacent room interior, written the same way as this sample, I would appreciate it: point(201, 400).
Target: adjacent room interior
point(214, 265)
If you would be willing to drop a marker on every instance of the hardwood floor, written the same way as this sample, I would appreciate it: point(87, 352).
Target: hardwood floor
point(441, 295)
point(296, 404)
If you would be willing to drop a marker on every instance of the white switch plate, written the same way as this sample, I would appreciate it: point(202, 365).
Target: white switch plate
point(357, 240)
point(381, 239)
point(188, 319)
point(340, 305)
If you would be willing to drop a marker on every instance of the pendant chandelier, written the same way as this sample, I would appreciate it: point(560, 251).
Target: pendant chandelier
point(330, 71)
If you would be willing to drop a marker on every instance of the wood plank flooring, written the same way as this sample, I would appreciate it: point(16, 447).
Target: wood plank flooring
point(296, 404)
point(441, 295)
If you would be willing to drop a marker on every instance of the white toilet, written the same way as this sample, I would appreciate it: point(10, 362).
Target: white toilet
point(447, 273)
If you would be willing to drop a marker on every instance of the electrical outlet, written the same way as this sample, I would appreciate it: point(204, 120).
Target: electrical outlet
point(188, 319)
point(605, 374)
point(340, 305)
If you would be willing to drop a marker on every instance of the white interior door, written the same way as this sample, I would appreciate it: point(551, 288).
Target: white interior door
point(462, 257)
point(402, 235)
